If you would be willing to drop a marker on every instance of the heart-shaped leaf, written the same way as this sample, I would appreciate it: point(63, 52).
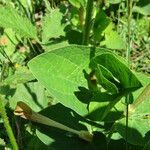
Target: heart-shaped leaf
point(61, 72)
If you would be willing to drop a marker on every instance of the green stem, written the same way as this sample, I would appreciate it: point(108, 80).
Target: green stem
point(127, 120)
point(129, 8)
point(7, 125)
point(88, 20)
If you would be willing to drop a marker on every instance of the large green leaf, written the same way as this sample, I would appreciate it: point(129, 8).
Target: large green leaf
point(61, 72)
point(9, 18)
point(62, 115)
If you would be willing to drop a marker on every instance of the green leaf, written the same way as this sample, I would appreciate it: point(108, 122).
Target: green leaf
point(113, 39)
point(78, 3)
point(102, 103)
point(142, 7)
point(9, 18)
point(61, 72)
point(145, 80)
point(44, 138)
point(102, 80)
point(119, 70)
point(2, 143)
point(34, 143)
point(22, 75)
point(12, 41)
point(107, 74)
point(52, 26)
point(31, 93)
point(100, 24)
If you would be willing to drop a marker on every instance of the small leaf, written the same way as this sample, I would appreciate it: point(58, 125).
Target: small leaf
point(52, 26)
point(78, 3)
point(102, 103)
point(100, 24)
point(22, 75)
point(120, 71)
point(142, 7)
point(44, 138)
point(107, 74)
point(12, 41)
point(102, 80)
point(2, 143)
point(113, 39)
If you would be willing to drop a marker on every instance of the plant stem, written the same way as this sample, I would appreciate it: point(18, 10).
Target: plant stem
point(127, 120)
point(88, 21)
point(7, 125)
point(129, 8)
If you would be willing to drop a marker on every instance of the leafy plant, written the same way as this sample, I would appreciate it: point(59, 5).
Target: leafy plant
point(61, 69)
